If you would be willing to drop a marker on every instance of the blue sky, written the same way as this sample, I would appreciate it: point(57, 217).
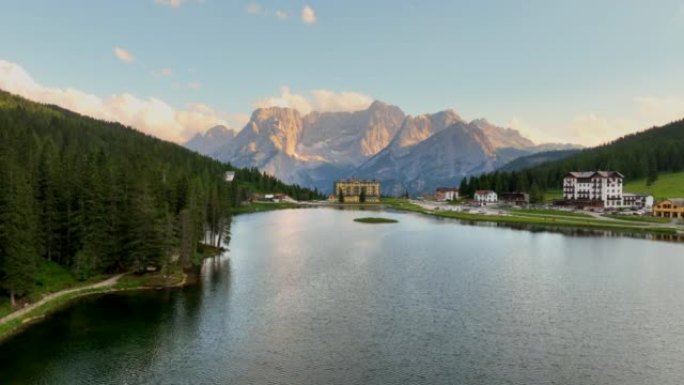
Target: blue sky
point(579, 71)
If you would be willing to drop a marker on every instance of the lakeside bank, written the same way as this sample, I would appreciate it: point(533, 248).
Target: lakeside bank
point(14, 322)
point(19, 319)
point(548, 218)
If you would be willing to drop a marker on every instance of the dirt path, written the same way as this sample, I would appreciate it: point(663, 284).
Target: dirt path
point(19, 313)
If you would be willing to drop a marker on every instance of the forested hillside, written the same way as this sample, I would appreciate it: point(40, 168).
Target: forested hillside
point(640, 155)
point(97, 197)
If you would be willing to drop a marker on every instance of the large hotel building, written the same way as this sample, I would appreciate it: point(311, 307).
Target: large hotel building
point(356, 191)
point(594, 188)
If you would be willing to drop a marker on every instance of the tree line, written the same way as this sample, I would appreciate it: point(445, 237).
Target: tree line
point(98, 197)
point(641, 155)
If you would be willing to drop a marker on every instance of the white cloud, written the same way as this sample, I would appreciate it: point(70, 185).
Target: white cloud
point(591, 129)
point(588, 129)
point(152, 116)
point(660, 110)
point(254, 8)
point(194, 86)
point(308, 15)
point(170, 3)
point(530, 131)
point(124, 55)
point(239, 120)
point(316, 100)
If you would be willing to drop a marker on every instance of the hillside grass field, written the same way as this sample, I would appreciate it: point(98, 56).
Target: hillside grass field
point(668, 185)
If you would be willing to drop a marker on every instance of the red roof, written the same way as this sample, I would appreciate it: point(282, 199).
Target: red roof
point(483, 192)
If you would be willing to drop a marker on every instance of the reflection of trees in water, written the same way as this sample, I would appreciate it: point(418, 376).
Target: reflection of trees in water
point(215, 271)
point(117, 335)
point(353, 207)
point(570, 231)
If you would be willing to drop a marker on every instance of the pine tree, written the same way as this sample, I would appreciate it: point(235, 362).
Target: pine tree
point(652, 175)
point(17, 233)
point(536, 195)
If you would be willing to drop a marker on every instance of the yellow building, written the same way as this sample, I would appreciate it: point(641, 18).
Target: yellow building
point(669, 208)
point(356, 191)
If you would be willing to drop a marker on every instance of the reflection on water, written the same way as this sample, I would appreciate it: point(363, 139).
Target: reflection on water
point(575, 232)
point(311, 297)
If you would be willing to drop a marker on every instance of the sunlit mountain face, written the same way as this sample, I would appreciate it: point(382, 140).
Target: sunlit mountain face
point(406, 153)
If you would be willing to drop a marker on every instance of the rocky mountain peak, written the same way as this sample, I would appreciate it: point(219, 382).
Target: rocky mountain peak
point(218, 132)
point(271, 128)
point(378, 105)
point(416, 129)
point(414, 153)
point(212, 140)
point(502, 137)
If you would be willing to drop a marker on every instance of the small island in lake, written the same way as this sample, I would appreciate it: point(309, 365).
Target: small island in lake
point(375, 220)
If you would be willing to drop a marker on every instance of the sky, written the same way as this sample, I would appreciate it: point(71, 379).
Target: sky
point(581, 71)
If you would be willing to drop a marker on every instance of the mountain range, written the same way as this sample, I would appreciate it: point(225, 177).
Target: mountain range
point(406, 153)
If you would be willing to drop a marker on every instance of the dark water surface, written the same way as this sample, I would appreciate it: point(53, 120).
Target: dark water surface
point(311, 297)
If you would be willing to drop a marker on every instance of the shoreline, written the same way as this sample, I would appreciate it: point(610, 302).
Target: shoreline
point(547, 221)
point(15, 322)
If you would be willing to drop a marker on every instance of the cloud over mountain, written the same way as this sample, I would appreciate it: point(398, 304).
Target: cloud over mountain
point(316, 100)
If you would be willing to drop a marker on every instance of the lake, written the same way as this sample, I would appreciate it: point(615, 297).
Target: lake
point(309, 296)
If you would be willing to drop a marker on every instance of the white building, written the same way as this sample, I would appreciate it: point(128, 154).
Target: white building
point(594, 188)
point(229, 176)
point(446, 194)
point(638, 201)
point(485, 196)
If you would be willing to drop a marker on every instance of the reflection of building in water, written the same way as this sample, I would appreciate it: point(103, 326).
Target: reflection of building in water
point(356, 191)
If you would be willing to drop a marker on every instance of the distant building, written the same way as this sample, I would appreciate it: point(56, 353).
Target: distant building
point(593, 188)
point(229, 176)
point(356, 191)
point(446, 194)
point(485, 196)
point(638, 201)
point(669, 208)
point(515, 198)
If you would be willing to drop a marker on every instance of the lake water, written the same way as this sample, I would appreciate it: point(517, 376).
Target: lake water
point(311, 297)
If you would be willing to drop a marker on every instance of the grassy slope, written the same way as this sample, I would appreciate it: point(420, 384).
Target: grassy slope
point(50, 277)
point(542, 212)
point(550, 195)
point(638, 218)
point(668, 185)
